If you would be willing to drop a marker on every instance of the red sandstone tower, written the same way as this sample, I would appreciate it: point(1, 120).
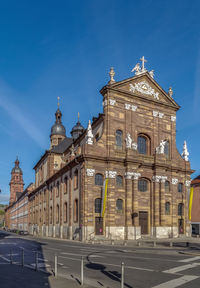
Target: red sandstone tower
point(16, 183)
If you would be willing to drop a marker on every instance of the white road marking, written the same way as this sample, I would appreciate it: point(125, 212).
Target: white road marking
point(108, 264)
point(41, 265)
point(190, 259)
point(181, 268)
point(95, 256)
point(66, 253)
point(44, 260)
point(4, 258)
point(61, 264)
point(177, 282)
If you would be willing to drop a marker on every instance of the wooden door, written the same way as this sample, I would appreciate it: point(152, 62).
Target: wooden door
point(99, 225)
point(143, 222)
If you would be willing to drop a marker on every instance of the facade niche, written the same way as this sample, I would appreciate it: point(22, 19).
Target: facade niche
point(99, 179)
point(119, 139)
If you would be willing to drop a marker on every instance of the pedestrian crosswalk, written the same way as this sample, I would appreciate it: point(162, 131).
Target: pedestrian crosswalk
point(178, 270)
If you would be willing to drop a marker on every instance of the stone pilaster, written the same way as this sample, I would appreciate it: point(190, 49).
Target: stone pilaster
point(135, 212)
point(162, 203)
point(128, 204)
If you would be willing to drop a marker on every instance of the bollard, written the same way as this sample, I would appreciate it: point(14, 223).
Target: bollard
point(36, 261)
point(82, 271)
point(11, 257)
point(22, 257)
point(154, 243)
point(139, 244)
point(56, 266)
point(171, 244)
point(122, 275)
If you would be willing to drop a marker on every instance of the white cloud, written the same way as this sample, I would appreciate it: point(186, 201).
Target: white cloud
point(18, 115)
point(4, 198)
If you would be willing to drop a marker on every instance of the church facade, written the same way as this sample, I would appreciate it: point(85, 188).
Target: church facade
point(122, 177)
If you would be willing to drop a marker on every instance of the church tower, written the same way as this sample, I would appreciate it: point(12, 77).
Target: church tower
point(58, 132)
point(16, 183)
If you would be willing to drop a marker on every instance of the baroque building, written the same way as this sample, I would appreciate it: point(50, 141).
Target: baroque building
point(16, 213)
point(131, 145)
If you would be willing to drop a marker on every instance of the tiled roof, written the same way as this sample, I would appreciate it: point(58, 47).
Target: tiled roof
point(60, 148)
point(196, 180)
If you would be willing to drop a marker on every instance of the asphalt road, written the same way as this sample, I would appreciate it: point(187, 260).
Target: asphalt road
point(144, 267)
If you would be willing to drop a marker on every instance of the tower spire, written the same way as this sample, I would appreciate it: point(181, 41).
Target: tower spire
point(58, 103)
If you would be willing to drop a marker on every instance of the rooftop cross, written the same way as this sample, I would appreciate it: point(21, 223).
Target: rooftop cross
point(78, 116)
point(143, 61)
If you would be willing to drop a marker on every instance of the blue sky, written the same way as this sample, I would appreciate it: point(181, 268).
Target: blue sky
point(66, 48)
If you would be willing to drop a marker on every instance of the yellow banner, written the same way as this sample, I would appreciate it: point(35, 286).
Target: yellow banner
point(103, 206)
point(190, 203)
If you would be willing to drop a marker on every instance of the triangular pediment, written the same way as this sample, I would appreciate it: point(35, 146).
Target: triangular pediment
point(146, 87)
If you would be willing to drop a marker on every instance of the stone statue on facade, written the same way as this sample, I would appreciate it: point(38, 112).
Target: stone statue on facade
point(128, 141)
point(161, 148)
point(90, 136)
point(185, 153)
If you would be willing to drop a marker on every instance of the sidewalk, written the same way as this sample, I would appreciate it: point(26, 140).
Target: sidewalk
point(14, 276)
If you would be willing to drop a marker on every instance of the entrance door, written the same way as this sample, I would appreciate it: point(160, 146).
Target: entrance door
point(99, 225)
point(181, 226)
point(143, 222)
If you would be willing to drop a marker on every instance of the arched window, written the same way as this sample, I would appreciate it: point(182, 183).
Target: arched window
point(167, 186)
point(99, 179)
point(98, 202)
point(166, 148)
point(65, 212)
point(119, 139)
point(167, 208)
point(119, 205)
point(65, 185)
point(57, 189)
point(76, 210)
point(76, 179)
point(57, 214)
point(142, 144)
point(119, 181)
point(180, 187)
point(142, 185)
point(180, 209)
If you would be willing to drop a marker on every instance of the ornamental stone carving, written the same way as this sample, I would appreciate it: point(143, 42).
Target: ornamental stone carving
point(144, 88)
point(161, 148)
point(187, 183)
point(112, 102)
point(134, 146)
point(158, 178)
point(130, 107)
point(104, 103)
point(174, 181)
point(89, 137)
point(136, 176)
point(129, 175)
point(110, 174)
point(90, 172)
point(173, 118)
point(158, 114)
point(132, 175)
